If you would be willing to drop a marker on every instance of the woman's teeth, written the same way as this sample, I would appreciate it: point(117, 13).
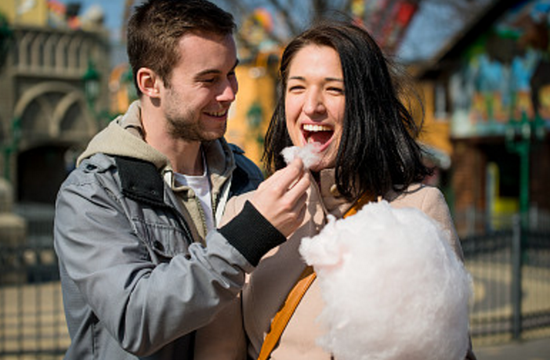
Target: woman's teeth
point(316, 128)
point(317, 133)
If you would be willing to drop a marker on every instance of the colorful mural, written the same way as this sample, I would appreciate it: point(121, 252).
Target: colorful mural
point(506, 73)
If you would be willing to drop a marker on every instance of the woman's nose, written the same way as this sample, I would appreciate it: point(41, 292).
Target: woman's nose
point(314, 104)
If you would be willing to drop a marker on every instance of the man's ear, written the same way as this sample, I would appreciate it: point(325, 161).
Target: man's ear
point(149, 82)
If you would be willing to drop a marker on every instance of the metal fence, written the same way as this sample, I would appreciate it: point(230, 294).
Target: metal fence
point(509, 260)
point(509, 264)
point(32, 321)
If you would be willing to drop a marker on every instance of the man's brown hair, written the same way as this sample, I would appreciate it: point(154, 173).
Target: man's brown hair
point(156, 27)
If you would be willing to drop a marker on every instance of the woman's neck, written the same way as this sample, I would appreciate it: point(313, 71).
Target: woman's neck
point(317, 177)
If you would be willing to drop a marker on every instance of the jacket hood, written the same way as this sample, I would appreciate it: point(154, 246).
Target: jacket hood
point(123, 138)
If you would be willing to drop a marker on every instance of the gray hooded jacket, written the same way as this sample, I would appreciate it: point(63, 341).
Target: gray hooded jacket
point(137, 277)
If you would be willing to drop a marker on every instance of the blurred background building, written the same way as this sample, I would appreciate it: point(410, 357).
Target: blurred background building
point(49, 54)
point(490, 85)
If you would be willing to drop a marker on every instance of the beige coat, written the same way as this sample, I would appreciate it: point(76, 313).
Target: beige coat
point(278, 271)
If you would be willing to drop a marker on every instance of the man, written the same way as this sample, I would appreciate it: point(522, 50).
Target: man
point(142, 265)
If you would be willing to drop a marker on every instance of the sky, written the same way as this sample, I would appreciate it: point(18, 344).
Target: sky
point(113, 10)
point(415, 44)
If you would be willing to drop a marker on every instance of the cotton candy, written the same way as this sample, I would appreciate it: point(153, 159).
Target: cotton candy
point(392, 285)
point(307, 153)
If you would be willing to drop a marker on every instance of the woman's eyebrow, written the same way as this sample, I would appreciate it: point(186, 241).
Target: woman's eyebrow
point(327, 78)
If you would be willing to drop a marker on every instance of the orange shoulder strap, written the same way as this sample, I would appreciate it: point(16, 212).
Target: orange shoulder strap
point(281, 319)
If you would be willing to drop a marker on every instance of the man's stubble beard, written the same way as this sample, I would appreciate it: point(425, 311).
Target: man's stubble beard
point(192, 131)
point(184, 124)
point(186, 127)
point(182, 128)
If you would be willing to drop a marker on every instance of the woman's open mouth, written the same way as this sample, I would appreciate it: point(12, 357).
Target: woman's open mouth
point(316, 133)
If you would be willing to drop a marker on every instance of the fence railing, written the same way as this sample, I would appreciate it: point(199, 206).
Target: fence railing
point(510, 267)
point(509, 260)
point(32, 321)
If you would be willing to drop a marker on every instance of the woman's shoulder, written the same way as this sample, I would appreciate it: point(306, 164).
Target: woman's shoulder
point(431, 201)
point(421, 196)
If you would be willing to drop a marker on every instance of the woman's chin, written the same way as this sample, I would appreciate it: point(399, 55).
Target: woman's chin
point(321, 165)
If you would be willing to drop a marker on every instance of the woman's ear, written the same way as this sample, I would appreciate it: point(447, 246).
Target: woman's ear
point(148, 82)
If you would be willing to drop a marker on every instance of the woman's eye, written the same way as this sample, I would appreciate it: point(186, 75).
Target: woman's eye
point(295, 88)
point(336, 90)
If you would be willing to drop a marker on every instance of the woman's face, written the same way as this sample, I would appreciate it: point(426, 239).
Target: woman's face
point(315, 101)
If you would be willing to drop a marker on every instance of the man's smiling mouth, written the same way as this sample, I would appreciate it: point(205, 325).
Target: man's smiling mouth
point(217, 113)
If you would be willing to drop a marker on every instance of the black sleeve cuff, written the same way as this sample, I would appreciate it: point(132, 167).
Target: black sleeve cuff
point(251, 234)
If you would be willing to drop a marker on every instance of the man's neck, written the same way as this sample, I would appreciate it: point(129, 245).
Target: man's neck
point(184, 156)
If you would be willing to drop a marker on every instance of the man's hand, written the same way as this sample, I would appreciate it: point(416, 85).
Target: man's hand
point(281, 199)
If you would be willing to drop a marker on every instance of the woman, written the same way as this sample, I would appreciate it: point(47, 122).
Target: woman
point(337, 91)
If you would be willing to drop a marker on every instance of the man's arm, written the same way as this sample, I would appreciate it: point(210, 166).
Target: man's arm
point(145, 305)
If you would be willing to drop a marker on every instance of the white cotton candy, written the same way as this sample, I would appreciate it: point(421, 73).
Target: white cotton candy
point(393, 287)
point(307, 153)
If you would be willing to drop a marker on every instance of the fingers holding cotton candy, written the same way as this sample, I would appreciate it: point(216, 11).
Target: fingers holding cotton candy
point(308, 153)
point(281, 199)
point(392, 285)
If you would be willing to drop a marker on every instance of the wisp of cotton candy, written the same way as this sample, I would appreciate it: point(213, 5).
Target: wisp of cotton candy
point(307, 153)
point(393, 287)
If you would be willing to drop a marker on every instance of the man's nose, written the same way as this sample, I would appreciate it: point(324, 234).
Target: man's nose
point(229, 91)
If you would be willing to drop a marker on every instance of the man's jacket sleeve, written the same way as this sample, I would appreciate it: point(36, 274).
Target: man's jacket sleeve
point(144, 304)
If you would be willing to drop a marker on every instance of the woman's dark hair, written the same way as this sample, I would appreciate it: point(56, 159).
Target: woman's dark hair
point(156, 27)
point(378, 151)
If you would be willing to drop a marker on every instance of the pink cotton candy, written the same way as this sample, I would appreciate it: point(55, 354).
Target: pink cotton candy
point(307, 153)
point(394, 288)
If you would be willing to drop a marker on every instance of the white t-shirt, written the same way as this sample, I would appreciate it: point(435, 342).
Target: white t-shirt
point(202, 188)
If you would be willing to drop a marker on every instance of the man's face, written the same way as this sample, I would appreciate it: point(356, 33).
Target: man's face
point(202, 87)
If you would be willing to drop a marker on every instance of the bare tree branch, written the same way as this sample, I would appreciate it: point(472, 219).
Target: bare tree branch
point(291, 17)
